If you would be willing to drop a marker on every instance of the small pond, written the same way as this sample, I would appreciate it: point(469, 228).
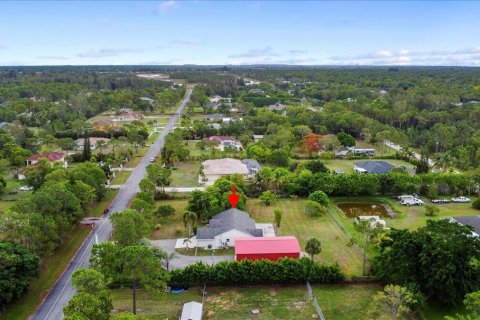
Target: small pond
point(355, 209)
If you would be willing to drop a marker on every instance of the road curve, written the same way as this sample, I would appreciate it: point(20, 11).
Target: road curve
point(52, 307)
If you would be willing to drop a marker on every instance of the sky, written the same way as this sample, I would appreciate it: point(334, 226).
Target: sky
point(239, 33)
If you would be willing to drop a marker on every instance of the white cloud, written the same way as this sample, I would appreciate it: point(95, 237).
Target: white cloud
point(107, 52)
point(165, 6)
point(464, 57)
point(255, 53)
point(188, 41)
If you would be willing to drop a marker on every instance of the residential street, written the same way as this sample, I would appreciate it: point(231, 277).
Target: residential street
point(52, 307)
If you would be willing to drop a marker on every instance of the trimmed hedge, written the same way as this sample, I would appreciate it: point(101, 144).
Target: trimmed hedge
point(247, 272)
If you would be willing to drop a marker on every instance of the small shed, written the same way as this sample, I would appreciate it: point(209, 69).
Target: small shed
point(271, 248)
point(192, 311)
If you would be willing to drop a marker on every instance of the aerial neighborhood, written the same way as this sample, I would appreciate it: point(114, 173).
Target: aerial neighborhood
point(239, 193)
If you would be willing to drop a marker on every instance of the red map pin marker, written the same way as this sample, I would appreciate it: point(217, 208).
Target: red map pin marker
point(233, 197)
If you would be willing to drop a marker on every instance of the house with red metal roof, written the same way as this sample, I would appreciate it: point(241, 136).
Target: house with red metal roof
point(271, 248)
point(50, 156)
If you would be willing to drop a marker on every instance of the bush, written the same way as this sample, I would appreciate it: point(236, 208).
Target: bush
point(267, 197)
point(431, 210)
point(476, 204)
point(314, 209)
point(165, 211)
point(247, 272)
point(319, 197)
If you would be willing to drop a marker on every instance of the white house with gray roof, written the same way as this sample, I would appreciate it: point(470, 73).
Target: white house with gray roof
point(225, 227)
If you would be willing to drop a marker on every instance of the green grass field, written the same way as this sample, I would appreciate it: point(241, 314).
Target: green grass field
point(186, 174)
point(171, 227)
point(295, 222)
point(121, 177)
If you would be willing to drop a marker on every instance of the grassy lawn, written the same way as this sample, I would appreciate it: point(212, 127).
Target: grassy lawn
point(296, 222)
point(40, 286)
point(121, 177)
point(153, 137)
point(171, 227)
point(273, 302)
point(136, 158)
point(186, 174)
point(154, 305)
point(347, 165)
point(205, 253)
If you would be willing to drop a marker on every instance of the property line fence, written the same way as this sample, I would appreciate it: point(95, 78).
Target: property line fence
point(314, 301)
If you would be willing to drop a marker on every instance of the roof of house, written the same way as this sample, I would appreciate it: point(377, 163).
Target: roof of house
point(473, 221)
point(224, 166)
point(214, 116)
point(229, 220)
point(131, 114)
point(93, 140)
point(257, 136)
point(277, 106)
point(192, 311)
point(265, 245)
point(50, 156)
point(219, 139)
point(375, 166)
point(251, 163)
point(104, 122)
point(215, 126)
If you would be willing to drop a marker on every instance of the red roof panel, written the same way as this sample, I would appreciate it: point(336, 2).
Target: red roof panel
point(287, 244)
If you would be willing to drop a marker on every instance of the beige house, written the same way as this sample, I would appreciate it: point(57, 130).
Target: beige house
point(213, 170)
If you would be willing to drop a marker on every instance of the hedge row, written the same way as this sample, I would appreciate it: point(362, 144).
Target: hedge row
point(247, 272)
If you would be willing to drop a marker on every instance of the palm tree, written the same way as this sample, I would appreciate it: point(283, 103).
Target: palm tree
point(443, 161)
point(189, 219)
point(100, 145)
point(407, 152)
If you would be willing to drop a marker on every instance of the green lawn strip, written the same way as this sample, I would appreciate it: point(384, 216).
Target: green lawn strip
point(121, 177)
point(186, 174)
point(153, 137)
point(40, 286)
point(295, 222)
point(136, 158)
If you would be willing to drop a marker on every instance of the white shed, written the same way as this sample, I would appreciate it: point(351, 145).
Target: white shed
point(192, 311)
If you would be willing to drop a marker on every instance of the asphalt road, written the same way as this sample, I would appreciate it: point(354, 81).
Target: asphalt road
point(52, 307)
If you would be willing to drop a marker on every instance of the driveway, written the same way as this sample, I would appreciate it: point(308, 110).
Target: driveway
point(181, 261)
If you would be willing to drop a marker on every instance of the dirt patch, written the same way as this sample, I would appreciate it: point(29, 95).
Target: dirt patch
point(225, 300)
point(272, 292)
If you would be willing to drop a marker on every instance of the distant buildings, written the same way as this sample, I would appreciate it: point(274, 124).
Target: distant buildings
point(128, 116)
point(93, 142)
point(257, 137)
point(373, 166)
point(277, 107)
point(218, 168)
point(224, 142)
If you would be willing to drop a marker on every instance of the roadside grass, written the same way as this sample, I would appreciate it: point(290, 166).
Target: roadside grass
point(137, 157)
point(186, 174)
point(171, 227)
point(121, 177)
point(97, 209)
point(40, 286)
point(347, 165)
point(295, 222)
point(153, 137)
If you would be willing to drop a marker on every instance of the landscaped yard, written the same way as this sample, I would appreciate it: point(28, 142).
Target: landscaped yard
point(186, 174)
point(171, 227)
point(121, 177)
point(295, 222)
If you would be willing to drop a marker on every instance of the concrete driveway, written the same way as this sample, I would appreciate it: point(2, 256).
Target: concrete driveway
point(181, 261)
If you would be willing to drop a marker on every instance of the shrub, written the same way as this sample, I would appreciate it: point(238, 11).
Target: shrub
point(247, 272)
point(431, 210)
point(165, 211)
point(476, 204)
point(267, 197)
point(319, 197)
point(314, 209)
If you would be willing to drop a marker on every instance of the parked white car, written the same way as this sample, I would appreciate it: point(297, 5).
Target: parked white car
point(152, 159)
point(25, 188)
point(461, 200)
point(411, 202)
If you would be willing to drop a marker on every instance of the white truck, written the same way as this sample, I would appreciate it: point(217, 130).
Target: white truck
point(440, 201)
point(460, 200)
point(411, 202)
